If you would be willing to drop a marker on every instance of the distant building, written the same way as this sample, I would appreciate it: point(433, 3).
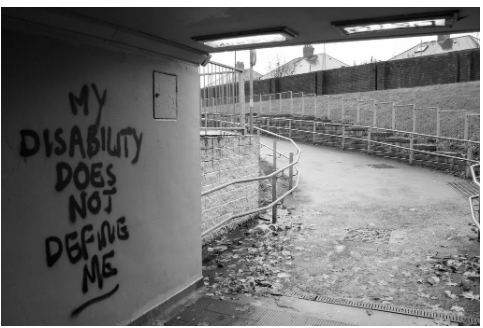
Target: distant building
point(442, 45)
point(306, 64)
point(246, 72)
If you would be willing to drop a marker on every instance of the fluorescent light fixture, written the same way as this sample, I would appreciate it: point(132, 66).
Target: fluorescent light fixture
point(247, 37)
point(394, 23)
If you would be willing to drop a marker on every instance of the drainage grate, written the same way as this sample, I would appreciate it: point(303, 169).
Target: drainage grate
point(369, 235)
point(391, 308)
point(381, 166)
point(466, 189)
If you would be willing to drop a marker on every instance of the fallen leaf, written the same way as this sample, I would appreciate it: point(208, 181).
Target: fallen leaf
point(449, 283)
point(369, 312)
point(458, 309)
point(452, 296)
point(471, 296)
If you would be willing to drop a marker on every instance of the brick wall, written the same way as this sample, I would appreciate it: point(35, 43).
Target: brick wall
point(453, 67)
point(223, 159)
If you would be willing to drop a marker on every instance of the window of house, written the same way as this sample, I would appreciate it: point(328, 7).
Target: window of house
point(421, 49)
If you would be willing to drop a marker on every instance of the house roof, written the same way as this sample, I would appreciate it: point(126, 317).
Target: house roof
point(434, 47)
point(246, 75)
point(316, 61)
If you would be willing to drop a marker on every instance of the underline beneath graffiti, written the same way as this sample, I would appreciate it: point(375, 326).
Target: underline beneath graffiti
point(93, 301)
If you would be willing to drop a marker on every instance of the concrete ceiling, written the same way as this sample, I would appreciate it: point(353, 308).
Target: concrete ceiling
point(171, 30)
point(313, 25)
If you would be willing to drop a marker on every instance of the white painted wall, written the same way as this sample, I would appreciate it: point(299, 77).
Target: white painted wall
point(159, 195)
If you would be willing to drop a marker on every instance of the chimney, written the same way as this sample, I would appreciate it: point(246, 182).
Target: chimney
point(443, 37)
point(308, 51)
point(240, 65)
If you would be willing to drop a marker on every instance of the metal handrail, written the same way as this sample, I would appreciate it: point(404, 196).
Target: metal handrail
point(473, 214)
point(470, 199)
point(379, 142)
point(379, 128)
point(273, 203)
point(473, 174)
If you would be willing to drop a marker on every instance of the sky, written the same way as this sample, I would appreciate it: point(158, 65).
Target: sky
point(343, 51)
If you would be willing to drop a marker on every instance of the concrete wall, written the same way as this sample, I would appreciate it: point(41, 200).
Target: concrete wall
point(77, 123)
point(223, 159)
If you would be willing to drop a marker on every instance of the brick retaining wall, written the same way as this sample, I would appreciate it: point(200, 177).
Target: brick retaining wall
point(223, 159)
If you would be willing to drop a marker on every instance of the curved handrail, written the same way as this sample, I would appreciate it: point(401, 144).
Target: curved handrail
point(473, 173)
point(262, 177)
point(299, 151)
point(473, 214)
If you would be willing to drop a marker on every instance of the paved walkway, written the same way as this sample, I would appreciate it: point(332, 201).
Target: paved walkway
point(340, 190)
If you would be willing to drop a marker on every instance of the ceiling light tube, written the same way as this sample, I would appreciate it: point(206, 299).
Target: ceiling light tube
point(442, 19)
point(247, 37)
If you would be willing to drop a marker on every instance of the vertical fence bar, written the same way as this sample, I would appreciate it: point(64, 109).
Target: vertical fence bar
point(328, 108)
point(291, 103)
point(374, 116)
point(470, 154)
point(280, 103)
point(241, 99)
point(414, 120)
point(438, 123)
point(303, 105)
point(315, 105)
point(343, 111)
point(314, 130)
point(343, 136)
point(411, 152)
point(269, 104)
point(369, 132)
point(274, 151)
point(274, 198)
point(290, 128)
point(260, 101)
point(290, 172)
point(466, 131)
point(233, 99)
point(393, 119)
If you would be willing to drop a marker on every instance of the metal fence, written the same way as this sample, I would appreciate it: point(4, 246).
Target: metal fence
point(459, 124)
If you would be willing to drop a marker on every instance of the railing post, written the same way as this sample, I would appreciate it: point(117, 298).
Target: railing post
point(303, 104)
point(369, 131)
point(260, 101)
point(290, 173)
point(290, 128)
point(315, 129)
point(291, 103)
point(274, 154)
point(466, 132)
point(343, 136)
point(411, 152)
point(274, 197)
point(470, 154)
